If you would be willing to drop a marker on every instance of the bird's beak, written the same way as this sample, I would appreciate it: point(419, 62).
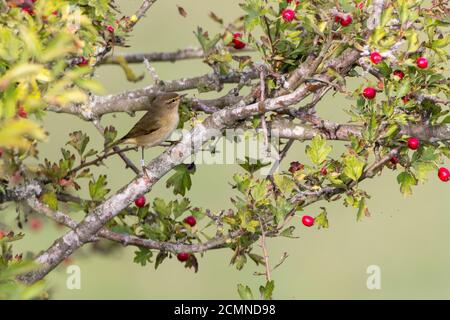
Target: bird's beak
point(181, 96)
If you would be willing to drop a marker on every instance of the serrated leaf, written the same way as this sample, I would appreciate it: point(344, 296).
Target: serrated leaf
point(97, 188)
point(162, 208)
point(180, 180)
point(245, 292)
point(353, 167)
point(318, 150)
point(267, 290)
point(49, 198)
point(406, 181)
point(284, 183)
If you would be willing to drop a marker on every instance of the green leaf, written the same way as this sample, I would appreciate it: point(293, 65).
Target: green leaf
point(49, 198)
point(322, 220)
point(143, 256)
point(245, 292)
point(413, 40)
point(252, 165)
point(404, 89)
point(267, 290)
point(162, 208)
point(259, 190)
point(422, 169)
point(353, 167)
point(180, 180)
point(282, 207)
point(162, 255)
point(406, 181)
point(288, 232)
point(284, 183)
point(97, 188)
point(318, 150)
point(180, 207)
point(362, 209)
point(79, 141)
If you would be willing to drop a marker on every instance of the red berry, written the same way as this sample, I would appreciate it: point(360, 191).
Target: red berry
point(2, 235)
point(376, 57)
point(190, 221)
point(405, 99)
point(399, 73)
point(360, 5)
point(140, 202)
point(394, 160)
point(413, 143)
point(324, 171)
point(22, 112)
point(369, 93)
point(422, 62)
point(237, 43)
point(35, 224)
point(288, 15)
point(308, 221)
point(183, 256)
point(295, 166)
point(83, 61)
point(1, 152)
point(28, 10)
point(444, 174)
point(345, 21)
point(110, 29)
point(337, 18)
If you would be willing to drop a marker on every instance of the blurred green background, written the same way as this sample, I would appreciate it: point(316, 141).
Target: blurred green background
point(406, 237)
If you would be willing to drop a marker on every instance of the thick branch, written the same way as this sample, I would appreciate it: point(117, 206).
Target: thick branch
point(140, 99)
point(289, 130)
point(180, 54)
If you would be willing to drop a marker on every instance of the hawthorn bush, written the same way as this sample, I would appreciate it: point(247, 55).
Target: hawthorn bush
point(281, 58)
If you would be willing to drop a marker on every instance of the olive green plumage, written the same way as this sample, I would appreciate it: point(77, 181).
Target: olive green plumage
point(156, 125)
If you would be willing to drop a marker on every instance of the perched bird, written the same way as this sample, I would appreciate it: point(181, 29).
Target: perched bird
point(156, 125)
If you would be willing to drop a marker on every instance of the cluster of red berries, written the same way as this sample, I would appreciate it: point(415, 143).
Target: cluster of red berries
point(344, 20)
point(184, 256)
point(190, 220)
point(370, 92)
point(443, 173)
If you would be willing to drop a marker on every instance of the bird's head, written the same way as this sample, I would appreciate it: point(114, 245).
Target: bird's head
point(169, 100)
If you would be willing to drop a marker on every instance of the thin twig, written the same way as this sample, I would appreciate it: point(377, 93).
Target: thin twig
point(281, 156)
point(263, 115)
point(152, 72)
point(265, 251)
point(99, 159)
point(128, 162)
point(143, 9)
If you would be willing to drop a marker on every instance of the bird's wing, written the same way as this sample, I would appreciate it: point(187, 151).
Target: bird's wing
point(146, 125)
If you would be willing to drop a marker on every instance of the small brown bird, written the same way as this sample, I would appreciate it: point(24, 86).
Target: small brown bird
point(156, 125)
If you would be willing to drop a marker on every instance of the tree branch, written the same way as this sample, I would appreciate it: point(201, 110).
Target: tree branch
point(180, 54)
point(140, 99)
